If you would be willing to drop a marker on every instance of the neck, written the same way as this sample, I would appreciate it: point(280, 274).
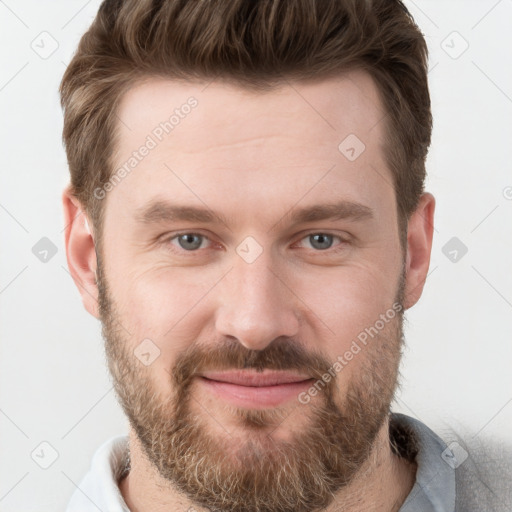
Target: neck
point(382, 483)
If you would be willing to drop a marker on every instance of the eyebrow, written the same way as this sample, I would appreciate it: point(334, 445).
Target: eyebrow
point(160, 211)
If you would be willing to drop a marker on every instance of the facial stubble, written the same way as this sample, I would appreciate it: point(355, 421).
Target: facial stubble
point(251, 469)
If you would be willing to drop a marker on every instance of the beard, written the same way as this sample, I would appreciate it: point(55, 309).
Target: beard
point(251, 469)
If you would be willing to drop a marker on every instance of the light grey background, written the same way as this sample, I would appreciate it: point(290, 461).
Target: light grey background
point(54, 386)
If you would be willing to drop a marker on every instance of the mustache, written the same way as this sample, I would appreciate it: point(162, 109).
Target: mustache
point(281, 354)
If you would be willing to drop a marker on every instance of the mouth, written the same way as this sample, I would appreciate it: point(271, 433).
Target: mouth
point(255, 390)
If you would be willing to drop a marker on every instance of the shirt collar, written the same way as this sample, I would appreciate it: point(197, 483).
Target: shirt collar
point(99, 490)
point(434, 489)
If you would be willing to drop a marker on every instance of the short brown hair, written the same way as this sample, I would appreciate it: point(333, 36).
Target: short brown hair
point(256, 44)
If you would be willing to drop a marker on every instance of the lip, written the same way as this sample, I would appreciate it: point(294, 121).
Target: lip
point(255, 390)
point(252, 378)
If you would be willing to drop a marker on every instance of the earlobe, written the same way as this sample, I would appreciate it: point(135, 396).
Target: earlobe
point(419, 246)
point(80, 251)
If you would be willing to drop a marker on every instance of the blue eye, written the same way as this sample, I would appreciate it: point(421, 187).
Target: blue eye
point(189, 241)
point(321, 241)
point(192, 242)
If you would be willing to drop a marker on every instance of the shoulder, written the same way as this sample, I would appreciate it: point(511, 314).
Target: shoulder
point(99, 489)
point(457, 470)
point(483, 471)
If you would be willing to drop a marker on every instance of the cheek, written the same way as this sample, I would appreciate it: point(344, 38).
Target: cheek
point(349, 299)
point(164, 307)
point(158, 300)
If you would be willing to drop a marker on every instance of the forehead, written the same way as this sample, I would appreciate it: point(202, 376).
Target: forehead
point(218, 141)
point(225, 113)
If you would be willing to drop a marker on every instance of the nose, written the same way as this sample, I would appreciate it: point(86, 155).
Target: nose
point(256, 305)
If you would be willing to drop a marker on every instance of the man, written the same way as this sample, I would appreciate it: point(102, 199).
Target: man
point(247, 218)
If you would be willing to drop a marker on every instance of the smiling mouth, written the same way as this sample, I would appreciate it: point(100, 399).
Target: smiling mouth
point(255, 390)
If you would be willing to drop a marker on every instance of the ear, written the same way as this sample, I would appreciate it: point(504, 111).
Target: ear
point(80, 251)
point(419, 245)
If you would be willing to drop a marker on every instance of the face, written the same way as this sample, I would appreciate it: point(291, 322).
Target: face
point(251, 286)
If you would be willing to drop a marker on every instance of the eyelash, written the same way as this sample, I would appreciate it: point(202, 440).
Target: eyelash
point(167, 242)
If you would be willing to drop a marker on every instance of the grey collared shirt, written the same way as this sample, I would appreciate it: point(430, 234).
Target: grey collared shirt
point(434, 489)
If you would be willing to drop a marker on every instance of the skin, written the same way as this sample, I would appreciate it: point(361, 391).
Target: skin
point(253, 157)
